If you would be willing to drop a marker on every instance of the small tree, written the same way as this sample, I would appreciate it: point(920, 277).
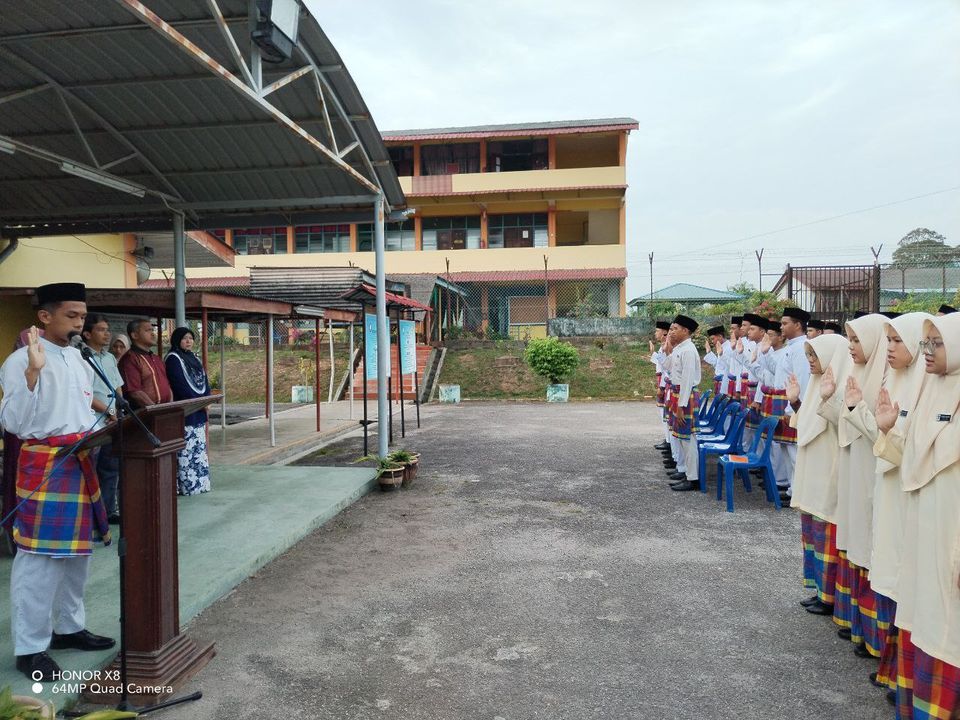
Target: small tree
point(551, 358)
point(922, 246)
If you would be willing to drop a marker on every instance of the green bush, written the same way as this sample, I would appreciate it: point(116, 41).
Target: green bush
point(552, 359)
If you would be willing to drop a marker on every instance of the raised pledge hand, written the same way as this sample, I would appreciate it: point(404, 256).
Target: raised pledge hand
point(853, 394)
point(651, 345)
point(828, 384)
point(718, 347)
point(740, 345)
point(36, 358)
point(765, 344)
point(793, 389)
point(886, 412)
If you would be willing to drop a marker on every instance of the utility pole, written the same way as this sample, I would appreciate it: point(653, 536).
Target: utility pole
point(650, 307)
point(759, 254)
point(875, 279)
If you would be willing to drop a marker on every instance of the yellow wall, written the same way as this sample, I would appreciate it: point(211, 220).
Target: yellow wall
point(530, 179)
point(433, 261)
point(580, 151)
point(95, 260)
point(603, 226)
point(18, 313)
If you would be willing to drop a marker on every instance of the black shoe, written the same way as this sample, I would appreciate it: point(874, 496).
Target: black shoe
point(38, 663)
point(83, 640)
point(662, 446)
point(843, 633)
point(810, 601)
point(784, 500)
point(861, 651)
point(819, 608)
point(892, 697)
point(670, 465)
point(677, 476)
point(685, 486)
point(114, 519)
point(874, 681)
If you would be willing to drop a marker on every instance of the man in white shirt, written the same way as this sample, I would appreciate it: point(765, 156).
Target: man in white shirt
point(685, 376)
point(657, 357)
point(731, 386)
point(755, 331)
point(47, 396)
point(793, 361)
point(714, 356)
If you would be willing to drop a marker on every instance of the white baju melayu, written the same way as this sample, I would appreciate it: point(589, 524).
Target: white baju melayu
point(46, 591)
point(792, 361)
point(929, 458)
point(685, 372)
point(658, 358)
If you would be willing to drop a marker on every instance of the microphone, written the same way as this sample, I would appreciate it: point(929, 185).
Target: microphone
point(75, 340)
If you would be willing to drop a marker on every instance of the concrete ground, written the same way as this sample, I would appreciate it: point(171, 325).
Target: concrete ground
point(539, 568)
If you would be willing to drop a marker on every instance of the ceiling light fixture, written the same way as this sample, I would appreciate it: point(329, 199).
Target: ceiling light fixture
point(102, 178)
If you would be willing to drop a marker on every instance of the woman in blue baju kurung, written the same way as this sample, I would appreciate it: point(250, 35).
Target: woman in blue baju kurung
point(189, 380)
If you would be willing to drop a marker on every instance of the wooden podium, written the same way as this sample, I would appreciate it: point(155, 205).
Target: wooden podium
point(159, 658)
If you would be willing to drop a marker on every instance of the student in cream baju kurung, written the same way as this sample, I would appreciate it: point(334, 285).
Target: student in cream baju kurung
point(929, 458)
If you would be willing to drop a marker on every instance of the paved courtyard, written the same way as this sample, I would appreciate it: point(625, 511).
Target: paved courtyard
point(540, 567)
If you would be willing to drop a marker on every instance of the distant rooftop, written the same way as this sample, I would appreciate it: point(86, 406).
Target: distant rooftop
point(554, 127)
point(687, 292)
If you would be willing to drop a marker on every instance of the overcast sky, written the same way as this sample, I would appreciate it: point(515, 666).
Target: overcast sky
point(754, 116)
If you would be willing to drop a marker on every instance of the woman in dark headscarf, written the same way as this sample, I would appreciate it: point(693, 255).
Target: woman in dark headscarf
point(189, 380)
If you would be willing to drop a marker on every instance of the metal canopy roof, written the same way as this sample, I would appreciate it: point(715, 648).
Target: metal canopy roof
point(163, 96)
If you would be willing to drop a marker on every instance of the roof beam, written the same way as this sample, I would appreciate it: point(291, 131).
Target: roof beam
point(166, 127)
point(141, 11)
point(100, 120)
point(106, 29)
point(285, 80)
point(26, 92)
point(230, 41)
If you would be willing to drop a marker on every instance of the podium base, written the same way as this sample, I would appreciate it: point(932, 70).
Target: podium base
point(153, 676)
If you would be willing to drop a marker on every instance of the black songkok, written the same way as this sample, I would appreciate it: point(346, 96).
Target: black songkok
point(797, 314)
point(61, 292)
point(663, 325)
point(688, 322)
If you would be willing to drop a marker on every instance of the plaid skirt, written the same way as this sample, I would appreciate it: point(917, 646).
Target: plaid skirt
point(744, 388)
point(887, 671)
point(717, 383)
point(808, 545)
point(906, 655)
point(936, 687)
point(825, 559)
point(684, 419)
point(876, 616)
point(845, 597)
point(661, 391)
point(775, 405)
point(753, 414)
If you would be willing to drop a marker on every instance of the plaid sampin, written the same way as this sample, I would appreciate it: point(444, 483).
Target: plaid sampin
point(60, 498)
point(684, 419)
point(809, 550)
point(825, 559)
point(936, 687)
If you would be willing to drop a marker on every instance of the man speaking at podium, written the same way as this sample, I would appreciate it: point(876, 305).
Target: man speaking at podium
point(47, 396)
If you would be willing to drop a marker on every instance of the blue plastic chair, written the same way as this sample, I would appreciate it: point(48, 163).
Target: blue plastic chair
point(727, 466)
point(719, 403)
point(702, 407)
point(731, 443)
point(718, 429)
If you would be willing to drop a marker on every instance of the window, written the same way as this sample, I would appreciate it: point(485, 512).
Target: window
point(220, 235)
point(513, 155)
point(322, 238)
point(513, 231)
point(451, 233)
point(402, 158)
point(260, 241)
point(397, 236)
point(450, 159)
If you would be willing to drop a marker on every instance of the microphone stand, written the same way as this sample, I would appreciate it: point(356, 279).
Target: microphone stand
point(123, 406)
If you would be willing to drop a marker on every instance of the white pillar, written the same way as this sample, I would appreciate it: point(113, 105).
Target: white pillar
point(179, 272)
point(273, 411)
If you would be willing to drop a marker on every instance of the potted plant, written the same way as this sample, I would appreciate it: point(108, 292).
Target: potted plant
point(21, 707)
point(554, 360)
point(389, 473)
point(303, 393)
point(410, 462)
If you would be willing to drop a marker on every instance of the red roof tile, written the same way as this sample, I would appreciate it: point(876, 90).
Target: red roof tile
point(205, 283)
point(390, 139)
point(512, 190)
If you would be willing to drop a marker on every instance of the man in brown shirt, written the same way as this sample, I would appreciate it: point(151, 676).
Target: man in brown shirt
point(144, 374)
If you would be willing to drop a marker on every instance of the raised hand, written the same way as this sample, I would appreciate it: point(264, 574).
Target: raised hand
point(886, 413)
point(36, 358)
point(717, 347)
point(793, 389)
point(765, 344)
point(853, 394)
point(650, 342)
point(740, 345)
point(828, 384)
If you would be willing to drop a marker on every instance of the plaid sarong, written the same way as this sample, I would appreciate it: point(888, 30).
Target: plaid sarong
point(887, 671)
point(717, 383)
point(876, 616)
point(61, 499)
point(906, 655)
point(843, 605)
point(936, 687)
point(753, 414)
point(661, 391)
point(825, 559)
point(744, 388)
point(732, 386)
point(684, 419)
point(807, 543)
point(775, 405)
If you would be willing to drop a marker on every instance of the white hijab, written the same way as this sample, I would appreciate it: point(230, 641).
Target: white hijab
point(873, 341)
point(933, 443)
point(809, 422)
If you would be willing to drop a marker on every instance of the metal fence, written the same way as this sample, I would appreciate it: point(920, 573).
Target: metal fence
point(513, 306)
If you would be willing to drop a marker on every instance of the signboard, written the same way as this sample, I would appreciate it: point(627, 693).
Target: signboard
point(408, 346)
point(370, 352)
